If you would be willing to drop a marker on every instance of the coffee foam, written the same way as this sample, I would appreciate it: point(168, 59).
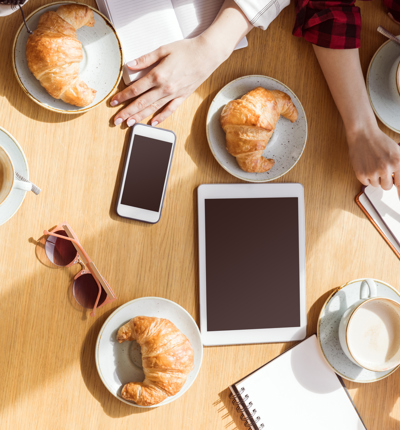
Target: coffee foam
point(6, 175)
point(373, 334)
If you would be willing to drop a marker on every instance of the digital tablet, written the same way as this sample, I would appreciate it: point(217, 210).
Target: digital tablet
point(252, 263)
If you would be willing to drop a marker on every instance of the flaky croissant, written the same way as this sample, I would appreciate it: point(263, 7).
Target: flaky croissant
point(249, 123)
point(54, 53)
point(167, 357)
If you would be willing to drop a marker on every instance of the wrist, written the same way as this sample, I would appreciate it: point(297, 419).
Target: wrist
point(213, 46)
point(367, 126)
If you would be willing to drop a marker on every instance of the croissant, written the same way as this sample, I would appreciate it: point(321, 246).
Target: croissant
point(54, 53)
point(249, 123)
point(167, 357)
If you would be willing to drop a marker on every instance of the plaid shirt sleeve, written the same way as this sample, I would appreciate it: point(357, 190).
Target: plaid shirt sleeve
point(393, 7)
point(330, 24)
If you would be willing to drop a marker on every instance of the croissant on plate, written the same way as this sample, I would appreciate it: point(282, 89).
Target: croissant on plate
point(54, 53)
point(249, 123)
point(167, 357)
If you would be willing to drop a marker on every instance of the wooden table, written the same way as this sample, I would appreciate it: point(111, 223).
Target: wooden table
point(47, 369)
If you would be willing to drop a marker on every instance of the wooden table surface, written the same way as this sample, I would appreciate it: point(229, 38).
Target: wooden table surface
point(47, 368)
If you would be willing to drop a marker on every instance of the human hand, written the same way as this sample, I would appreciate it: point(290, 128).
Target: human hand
point(183, 66)
point(375, 158)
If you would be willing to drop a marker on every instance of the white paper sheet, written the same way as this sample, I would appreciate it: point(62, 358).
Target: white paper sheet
point(387, 205)
point(298, 390)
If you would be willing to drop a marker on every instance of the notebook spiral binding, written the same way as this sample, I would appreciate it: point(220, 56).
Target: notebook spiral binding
point(245, 407)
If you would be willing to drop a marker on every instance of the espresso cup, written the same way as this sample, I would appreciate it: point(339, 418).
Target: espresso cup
point(369, 331)
point(7, 177)
point(394, 80)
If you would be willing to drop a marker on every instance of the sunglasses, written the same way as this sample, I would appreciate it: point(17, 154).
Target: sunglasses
point(89, 288)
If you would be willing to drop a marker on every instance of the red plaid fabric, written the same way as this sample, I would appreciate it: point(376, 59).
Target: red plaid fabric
point(333, 24)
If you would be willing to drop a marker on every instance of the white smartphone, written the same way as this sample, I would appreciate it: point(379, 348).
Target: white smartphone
point(146, 171)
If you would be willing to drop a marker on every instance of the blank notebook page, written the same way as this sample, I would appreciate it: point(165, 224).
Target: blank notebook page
point(387, 205)
point(298, 390)
point(363, 199)
point(143, 26)
point(196, 16)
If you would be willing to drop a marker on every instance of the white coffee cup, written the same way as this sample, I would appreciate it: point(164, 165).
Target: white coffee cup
point(8, 10)
point(7, 177)
point(369, 331)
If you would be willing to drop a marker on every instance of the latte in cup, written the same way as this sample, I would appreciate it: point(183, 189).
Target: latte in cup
point(373, 334)
point(6, 175)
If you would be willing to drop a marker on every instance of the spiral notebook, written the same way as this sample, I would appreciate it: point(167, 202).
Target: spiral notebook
point(383, 209)
point(144, 26)
point(297, 390)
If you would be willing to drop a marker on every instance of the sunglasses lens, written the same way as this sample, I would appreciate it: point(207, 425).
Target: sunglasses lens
point(59, 251)
point(85, 291)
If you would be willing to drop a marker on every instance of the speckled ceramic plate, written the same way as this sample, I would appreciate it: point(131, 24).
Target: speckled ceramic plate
point(117, 364)
point(101, 67)
point(286, 144)
point(384, 102)
point(328, 327)
point(10, 207)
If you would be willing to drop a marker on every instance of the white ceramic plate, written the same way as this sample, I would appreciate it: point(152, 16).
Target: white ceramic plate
point(114, 361)
point(328, 330)
point(384, 103)
point(101, 67)
point(10, 207)
point(286, 144)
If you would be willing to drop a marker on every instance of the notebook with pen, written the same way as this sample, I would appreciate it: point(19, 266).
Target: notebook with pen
point(144, 26)
point(296, 390)
point(383, 209)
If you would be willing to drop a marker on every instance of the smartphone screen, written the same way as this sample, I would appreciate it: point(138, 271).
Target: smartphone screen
point(146, 173)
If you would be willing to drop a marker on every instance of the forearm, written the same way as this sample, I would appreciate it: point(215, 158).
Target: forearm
point(228, 28)
point(342, 71)
point(374, 156)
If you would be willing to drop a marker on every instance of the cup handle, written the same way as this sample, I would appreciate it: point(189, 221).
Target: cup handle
point(370, 284)
point(21, 185)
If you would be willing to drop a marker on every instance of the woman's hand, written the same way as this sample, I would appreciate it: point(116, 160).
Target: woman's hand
point(375, 158)
point(182, 67)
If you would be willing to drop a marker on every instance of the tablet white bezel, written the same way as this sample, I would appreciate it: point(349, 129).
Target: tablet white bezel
point(240, 191)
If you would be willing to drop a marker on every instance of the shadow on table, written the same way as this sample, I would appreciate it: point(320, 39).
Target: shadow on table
point(196, 143)
point(229, 411)
point(111, 405)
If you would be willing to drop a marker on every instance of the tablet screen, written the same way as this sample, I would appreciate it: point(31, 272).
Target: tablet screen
point(252, 261)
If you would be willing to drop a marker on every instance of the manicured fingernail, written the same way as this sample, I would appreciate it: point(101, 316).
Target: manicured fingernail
point(114, 103)
point(118, 121)
point(130, 122)
point(132, 63)
point(154, 123)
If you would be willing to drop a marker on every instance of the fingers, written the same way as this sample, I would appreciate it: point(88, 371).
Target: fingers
point(397, 181)
point(151, 99)
point(148, 59)
point(147, 111)
point(387, 181)
point(363, 179)
point(167, 111)
point(374, 181)
point(133, 90)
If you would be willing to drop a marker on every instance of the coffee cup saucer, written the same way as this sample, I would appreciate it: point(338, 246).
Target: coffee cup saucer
point(14, 150)
point(384, 102)
point(328, 330)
